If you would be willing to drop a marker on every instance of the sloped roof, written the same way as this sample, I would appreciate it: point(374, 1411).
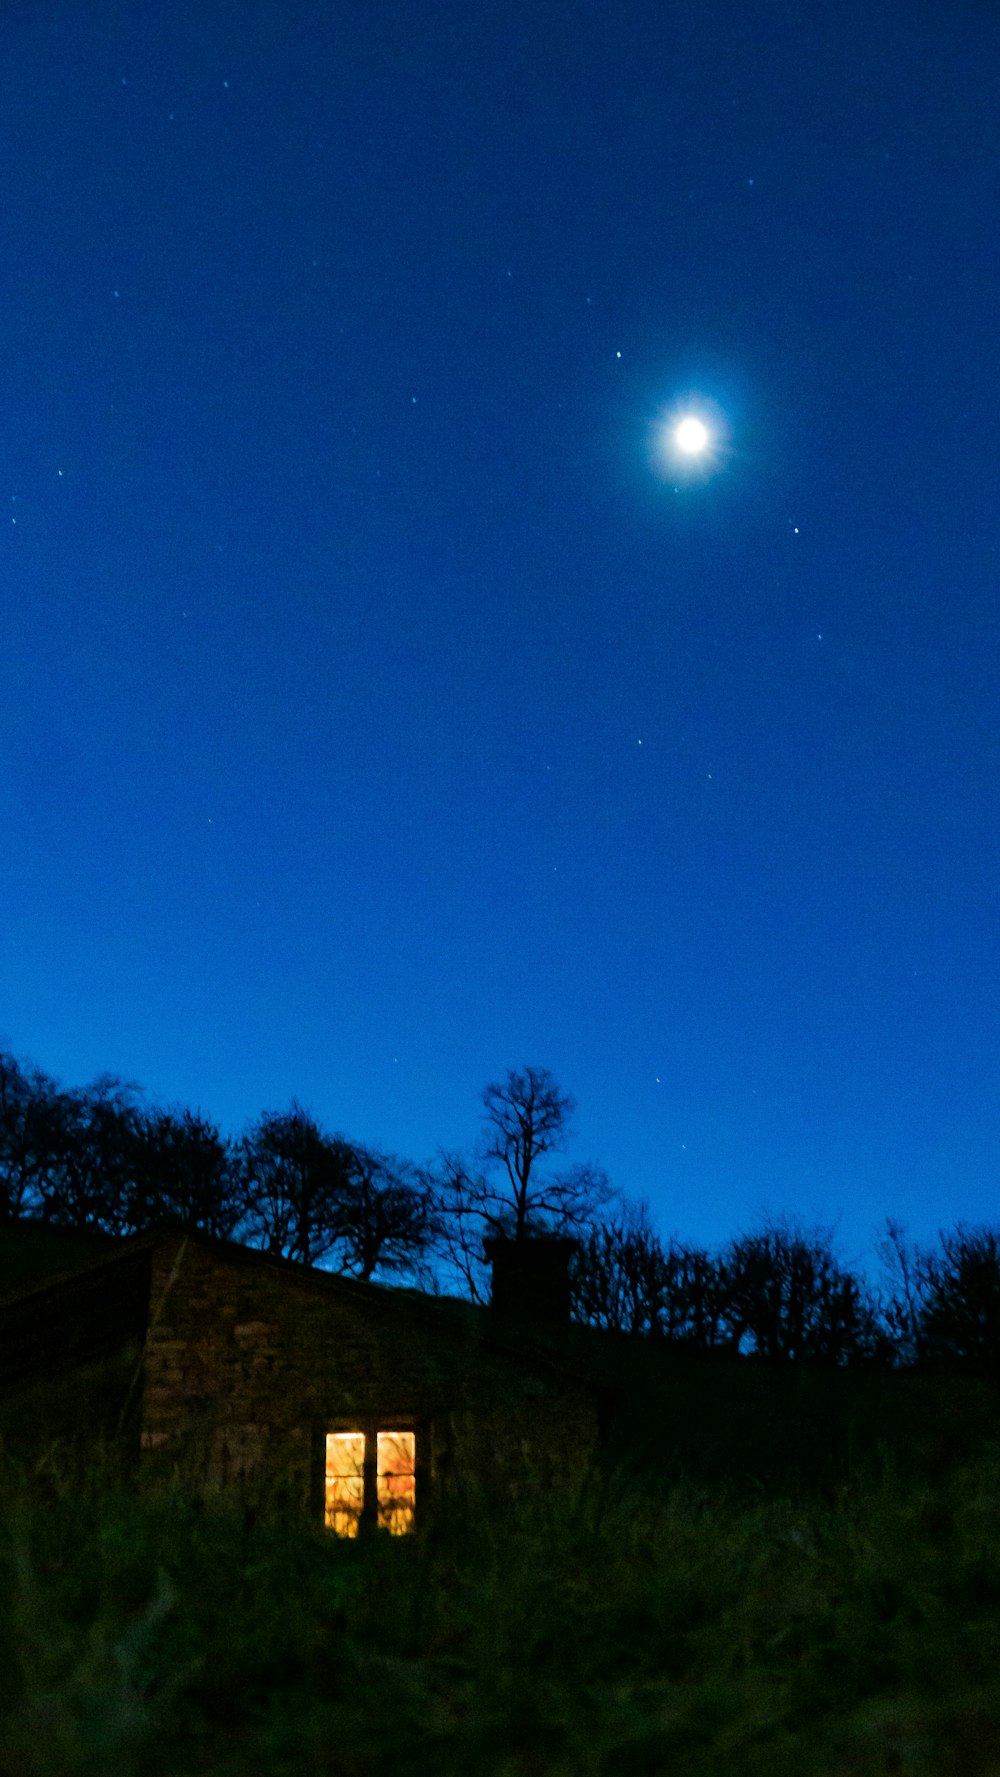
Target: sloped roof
point(58, 1322)
point(44, 1308)
point(32, 1250)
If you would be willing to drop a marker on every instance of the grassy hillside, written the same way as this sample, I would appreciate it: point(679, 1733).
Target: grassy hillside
point(772, 1573)
point(606, 1629)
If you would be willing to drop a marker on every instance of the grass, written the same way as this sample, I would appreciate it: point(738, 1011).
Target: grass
point(601, 1630)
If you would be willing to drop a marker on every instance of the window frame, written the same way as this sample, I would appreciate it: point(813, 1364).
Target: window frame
point(370, 1424)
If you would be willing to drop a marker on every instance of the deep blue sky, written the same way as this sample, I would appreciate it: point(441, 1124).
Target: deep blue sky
point(376, 715)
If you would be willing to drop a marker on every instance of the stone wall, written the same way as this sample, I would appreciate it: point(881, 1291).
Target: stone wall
point(249, 1361)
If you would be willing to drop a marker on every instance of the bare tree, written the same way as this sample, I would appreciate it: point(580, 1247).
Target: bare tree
point(385, 1217)
point(902, 1293)
point(702, 1289)
point(959, 1317)
point(294, 1180)
point(626, 1279)
point(620, 1276)
point(322, 1199)
point(29, 1101)
point(92, 1156)
point(184, 1172)
point(89, 1178)
point(508, 1188)
point(528, 1119)
point(791, 1299)
point(459, 1226)
point(606, 1282)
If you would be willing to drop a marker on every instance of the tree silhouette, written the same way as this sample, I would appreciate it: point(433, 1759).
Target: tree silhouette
point(959, 1316)
point(790, 1299)
point(507, 1189)
point(90, 1175)
point(901, 1297)
point(294, 1178)
point(184, 1172)
point(385, 1220)
point(28, 1117)
point(322, 1199)
point(626, 1279)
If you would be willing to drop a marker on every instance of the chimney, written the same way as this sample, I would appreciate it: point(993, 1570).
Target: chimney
point(531, 1277)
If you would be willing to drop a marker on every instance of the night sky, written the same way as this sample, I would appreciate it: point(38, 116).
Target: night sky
point(381, 705)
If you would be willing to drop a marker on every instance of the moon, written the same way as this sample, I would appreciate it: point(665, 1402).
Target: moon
point(691, 435)
point(689, 439)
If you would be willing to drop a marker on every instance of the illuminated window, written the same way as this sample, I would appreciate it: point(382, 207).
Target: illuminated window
point(396, 1480)
point(345, 1481)
point(371, 1478)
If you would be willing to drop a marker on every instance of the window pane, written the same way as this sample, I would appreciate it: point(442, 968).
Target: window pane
point(345, 1481)
point(397, 1489)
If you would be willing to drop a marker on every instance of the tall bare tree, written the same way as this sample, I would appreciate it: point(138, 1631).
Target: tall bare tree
point(509, 1187)
point(527, 1119)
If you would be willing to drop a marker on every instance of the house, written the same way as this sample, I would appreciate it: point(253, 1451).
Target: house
point(223, 1369)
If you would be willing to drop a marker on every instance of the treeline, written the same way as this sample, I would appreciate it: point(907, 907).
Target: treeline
point(779, 1292)
point(99, 1158)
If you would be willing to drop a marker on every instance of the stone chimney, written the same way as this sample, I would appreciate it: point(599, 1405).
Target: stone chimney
point(531, 1277)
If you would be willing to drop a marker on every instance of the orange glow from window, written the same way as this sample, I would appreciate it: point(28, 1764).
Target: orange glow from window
point(397, 1485)
point(345, 1481)
point(395, 1481)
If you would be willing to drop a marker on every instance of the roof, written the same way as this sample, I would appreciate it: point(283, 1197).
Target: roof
point(54, 1324)
point(47, 1303)
point(32, 1250)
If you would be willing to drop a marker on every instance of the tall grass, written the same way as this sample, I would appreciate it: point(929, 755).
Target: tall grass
point(585, 1632)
